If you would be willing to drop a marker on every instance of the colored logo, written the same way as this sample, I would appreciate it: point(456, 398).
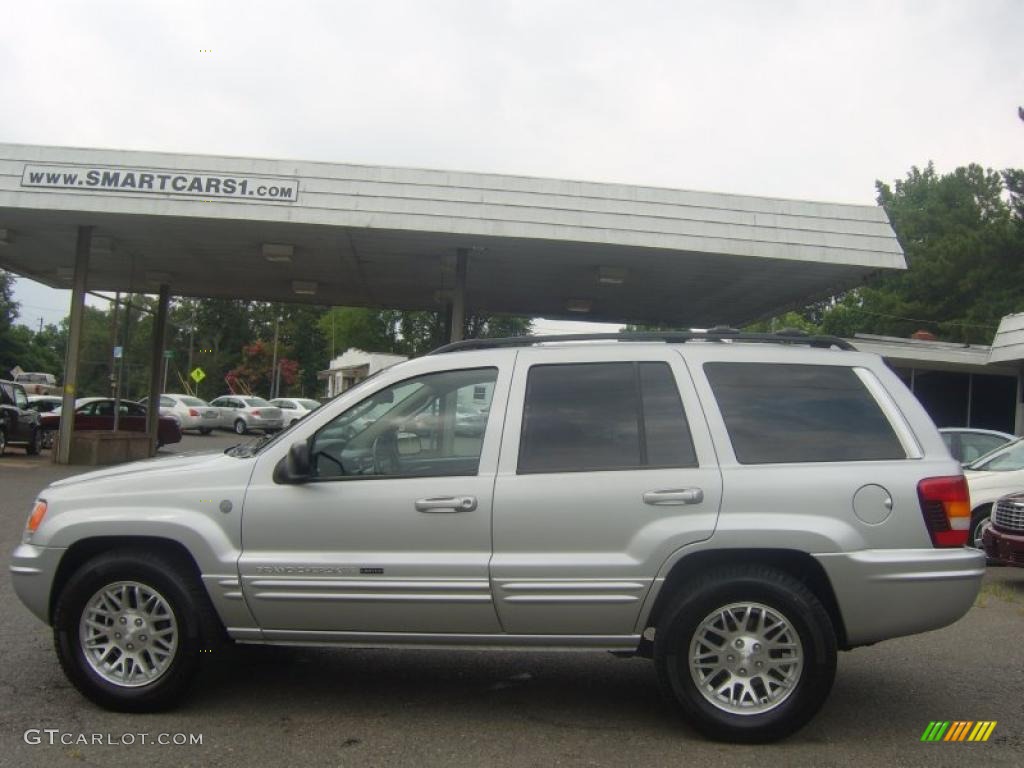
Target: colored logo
point(958, 730)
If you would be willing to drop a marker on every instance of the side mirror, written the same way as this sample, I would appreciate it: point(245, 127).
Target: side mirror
point(295, 467)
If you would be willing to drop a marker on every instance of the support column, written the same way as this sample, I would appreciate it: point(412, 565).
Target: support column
point(67, 422)
point(159, 342)
point(458, 312)
point(1018, 416)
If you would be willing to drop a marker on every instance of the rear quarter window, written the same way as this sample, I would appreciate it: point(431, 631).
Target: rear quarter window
point(781, 413)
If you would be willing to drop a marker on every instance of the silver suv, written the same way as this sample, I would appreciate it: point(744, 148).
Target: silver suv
point(736, 507)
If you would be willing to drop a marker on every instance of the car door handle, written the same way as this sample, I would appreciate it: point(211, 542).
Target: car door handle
point(447, 504)
point(674, 498)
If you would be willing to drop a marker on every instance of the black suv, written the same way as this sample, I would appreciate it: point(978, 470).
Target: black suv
point(19, 424)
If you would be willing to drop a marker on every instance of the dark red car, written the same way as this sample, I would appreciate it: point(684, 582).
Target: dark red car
point(1003, 539)
point(98, 413)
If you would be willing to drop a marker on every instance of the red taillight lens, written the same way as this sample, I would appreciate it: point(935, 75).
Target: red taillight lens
point(946, 506)
point(255, 413)
point(193, 412)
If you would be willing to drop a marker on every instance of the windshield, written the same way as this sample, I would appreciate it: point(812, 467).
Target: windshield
point(1008, 458)
point(258, 402)
point(193, 401)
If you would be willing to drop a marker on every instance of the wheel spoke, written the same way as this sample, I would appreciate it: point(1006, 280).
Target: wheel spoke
point(128, 633)
point(745, 658)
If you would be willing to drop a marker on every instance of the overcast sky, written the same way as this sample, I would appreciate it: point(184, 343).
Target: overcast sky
point(809, 100)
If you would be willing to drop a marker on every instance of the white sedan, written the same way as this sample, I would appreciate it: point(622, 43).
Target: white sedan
point(294, 408)
point(991, 477)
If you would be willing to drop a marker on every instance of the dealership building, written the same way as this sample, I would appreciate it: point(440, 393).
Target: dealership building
point(355, 235)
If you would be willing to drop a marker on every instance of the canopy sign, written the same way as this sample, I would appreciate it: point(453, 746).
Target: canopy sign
point(161, 182)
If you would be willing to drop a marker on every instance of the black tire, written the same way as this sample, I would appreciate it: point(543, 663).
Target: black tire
point(205, 430)
point(978, 518)
point(240, 427)
point(3, 440)
point(778, 591)
point(199, 629)
point(32, 449)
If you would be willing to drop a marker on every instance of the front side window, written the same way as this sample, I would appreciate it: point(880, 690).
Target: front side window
point(583, 417)
point(427, 426)
point(780, 413)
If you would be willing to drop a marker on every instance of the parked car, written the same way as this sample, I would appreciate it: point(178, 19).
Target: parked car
point(45, 404)
point(294, 408)
point(97, 413)
point(1003, 539)
point(967, 445)
point(38, 383)
point(191, 412)
point(19, 424)
point(738, 512)
point(241, 413)
point(994, 475)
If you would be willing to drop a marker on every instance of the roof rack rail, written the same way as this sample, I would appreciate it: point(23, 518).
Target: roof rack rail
point(718, 333)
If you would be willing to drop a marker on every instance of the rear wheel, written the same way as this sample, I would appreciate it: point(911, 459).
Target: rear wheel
point(240, 427)
point(129, 627)
point(3, 440)
point(747, 653)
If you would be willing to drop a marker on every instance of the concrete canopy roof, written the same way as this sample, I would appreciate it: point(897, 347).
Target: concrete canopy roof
point(387, 237)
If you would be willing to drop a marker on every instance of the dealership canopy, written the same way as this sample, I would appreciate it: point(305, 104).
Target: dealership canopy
point(355, 235)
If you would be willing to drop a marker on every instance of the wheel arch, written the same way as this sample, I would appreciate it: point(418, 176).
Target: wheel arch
point(84, 550)
point(798, 564)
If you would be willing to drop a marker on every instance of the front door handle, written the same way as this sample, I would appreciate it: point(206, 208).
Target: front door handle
point(447, 504)
point(674, 498)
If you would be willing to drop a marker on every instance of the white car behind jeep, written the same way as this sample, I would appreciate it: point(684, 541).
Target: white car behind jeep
point(736, 507)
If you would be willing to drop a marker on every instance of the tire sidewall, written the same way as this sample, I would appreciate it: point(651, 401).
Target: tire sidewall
point(80, 589)
point(817, 640)
point(240, 427)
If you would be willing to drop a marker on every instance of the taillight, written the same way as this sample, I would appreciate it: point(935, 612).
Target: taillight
point(38, 513)
point(946, 506)
point(193, 412)
point(255, 413)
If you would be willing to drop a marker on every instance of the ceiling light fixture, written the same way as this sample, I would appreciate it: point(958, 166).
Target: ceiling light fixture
point(304, 287)
point(278, 253)
point(611, 275)
point(101, 246)
point(578, 305)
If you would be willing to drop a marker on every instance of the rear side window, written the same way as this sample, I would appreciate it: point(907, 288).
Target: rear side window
point(602, 416)
point(800, 413)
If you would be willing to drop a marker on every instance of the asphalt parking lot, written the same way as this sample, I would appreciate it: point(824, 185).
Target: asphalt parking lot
point(310, 707)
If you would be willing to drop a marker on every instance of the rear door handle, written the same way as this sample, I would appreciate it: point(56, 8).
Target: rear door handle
point(447, 504)
point(674, 498)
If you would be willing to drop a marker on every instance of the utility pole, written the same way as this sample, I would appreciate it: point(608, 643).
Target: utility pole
point(273, 367)
point(191, 335)
point(113, 343)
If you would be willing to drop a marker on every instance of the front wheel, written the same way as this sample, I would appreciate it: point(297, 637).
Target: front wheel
point(980, 520)
point(240, 427)
point(129, 628)
point(747, 653)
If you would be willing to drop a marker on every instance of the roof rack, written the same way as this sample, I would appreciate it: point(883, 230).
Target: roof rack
point(719, 333)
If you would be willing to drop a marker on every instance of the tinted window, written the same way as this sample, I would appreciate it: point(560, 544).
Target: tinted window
point(256, 402)
point(800, 413)
point(973, 447)
point(601, 416)
point(166, 402)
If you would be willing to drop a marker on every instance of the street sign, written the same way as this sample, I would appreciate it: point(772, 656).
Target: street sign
point(197, 375)
point(169, 354)
point(118, 353)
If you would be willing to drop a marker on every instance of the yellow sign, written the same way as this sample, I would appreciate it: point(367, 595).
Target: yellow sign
point(197, 375)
